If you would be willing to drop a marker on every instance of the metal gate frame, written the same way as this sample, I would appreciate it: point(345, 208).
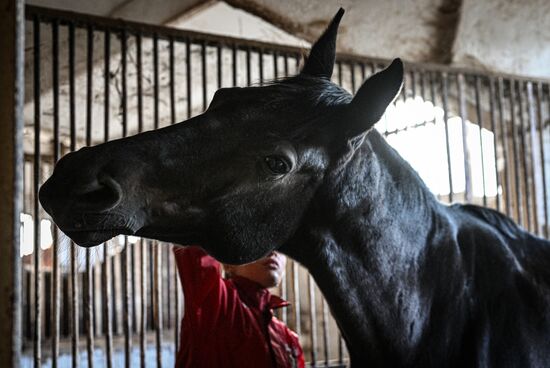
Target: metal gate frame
point(516, 111)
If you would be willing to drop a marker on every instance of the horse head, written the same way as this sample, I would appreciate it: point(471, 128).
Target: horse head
point(236, 179)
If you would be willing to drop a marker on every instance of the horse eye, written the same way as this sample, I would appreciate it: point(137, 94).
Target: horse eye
point(277, 165)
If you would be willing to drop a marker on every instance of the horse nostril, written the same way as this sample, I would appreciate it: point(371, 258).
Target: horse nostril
point(100, 196)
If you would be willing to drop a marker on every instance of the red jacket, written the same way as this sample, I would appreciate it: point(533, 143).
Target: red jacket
point(230, 323)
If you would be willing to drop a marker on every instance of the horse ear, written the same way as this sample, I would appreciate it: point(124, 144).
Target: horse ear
point(320, 61)
point(374, 96)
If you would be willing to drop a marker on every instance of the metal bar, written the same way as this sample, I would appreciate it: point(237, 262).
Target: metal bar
point(284, 294)
point(339, 67)
point(126, 278)
point(219, 66)
point(105, 274)
point(261, 65)
point(88, 316)
point(495, 138)
point(188, 74)
point(139, 77)
point(204, 76)
point(504, 138)
point(444, 92)
point(248, 71)
point(352, 77)
point(535, 163)
point(412, 75)
point(465, 134)
point(12, 97)
point(324, 308)
point(515, 148)
point(157, 305)
point(479, 117)
point(312, 320)
point(115, 25)
point(296, 295)
point(56, 155)
point(37, 336)
point(172, 82)
point(234, 64)
point(143, 301)
point(524, 168)
point(546, 229)
point(74, 279)
point(275, 66)
point(340, 349)
point(167, 299)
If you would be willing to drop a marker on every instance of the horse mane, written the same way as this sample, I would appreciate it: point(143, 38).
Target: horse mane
point(499, 221)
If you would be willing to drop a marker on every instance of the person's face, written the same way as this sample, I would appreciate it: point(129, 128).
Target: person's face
point(267, 271)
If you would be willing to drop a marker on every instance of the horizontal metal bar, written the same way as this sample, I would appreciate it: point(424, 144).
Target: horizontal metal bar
point(163, 32)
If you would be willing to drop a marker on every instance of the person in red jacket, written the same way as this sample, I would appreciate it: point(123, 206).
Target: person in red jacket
point(229, 322)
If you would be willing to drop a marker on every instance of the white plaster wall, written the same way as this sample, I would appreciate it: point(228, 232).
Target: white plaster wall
point(222, 19)
point(376, 28)
point(511, 36)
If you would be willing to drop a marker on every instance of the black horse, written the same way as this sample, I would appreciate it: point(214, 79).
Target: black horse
point(296, 166)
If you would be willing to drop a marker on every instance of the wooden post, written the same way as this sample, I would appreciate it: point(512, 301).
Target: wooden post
point(11, 177)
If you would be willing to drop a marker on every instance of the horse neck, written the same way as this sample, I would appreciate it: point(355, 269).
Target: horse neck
point(366, 249)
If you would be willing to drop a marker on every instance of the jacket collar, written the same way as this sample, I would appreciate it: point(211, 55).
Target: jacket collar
point(256, 296)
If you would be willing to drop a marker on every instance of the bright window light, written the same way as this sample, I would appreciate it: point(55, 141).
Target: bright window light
point(419, 136)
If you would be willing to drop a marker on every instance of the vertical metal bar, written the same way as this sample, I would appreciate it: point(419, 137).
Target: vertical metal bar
point(188, 74)
point(56, 154)
point(325, 331)
point(167, 301)
point(296, 292)
point(524, 168)
point(312, 320)
point(403, 89)
point(340, 349)
point(535, 163)
point(248, 71)
point(204, 76)
point(412, 75)
point(480, 123)
point(495, 137)
point(445, 92)
point(542, 156)
point(126, 261)
point(339, 67)
point(37, 337)
point(172, 82)
point(173, 118)
point(105, 274)
point(423, 85)
point(465, 135)
point(261, 65)
point(157, 293)
point(157, 306)
point(143, 315)
point(234, 64)
point(74, 271)
point(284, 294)
point(88, 317)
point(504, 138)
point(12, 88)
point(219, 69)
point(352, 77)
point(275, 65)
point(143, 300)
point(515, 149)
